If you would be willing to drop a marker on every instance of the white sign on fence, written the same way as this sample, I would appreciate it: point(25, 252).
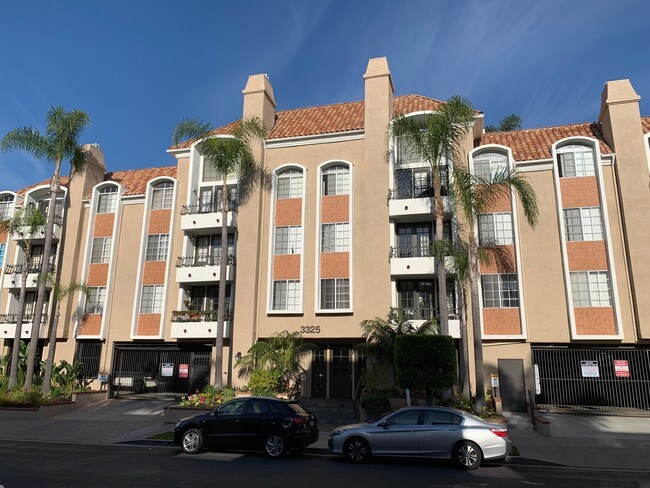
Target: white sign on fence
point(167, 369)
point(589, 369)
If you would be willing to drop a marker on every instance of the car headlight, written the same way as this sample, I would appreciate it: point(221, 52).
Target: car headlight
point(336, 432)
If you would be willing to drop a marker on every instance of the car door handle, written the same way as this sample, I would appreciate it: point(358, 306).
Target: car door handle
point(453, 430)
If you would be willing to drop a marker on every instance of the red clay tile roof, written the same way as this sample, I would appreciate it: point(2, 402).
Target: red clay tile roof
point(135, 180)
point(328, 119)
point(645, 123)
point(532, 144)
point(23, 191)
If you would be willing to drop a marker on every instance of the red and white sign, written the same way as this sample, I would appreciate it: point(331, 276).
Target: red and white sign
point(621, 368)
point(183, 370)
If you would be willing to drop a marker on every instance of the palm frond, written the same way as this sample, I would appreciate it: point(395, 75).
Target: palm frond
point(26, 139)
point(190, 128)
point(78, 162)
point(500, 256)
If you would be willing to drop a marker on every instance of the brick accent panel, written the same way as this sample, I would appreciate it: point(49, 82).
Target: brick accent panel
point(501, 321)
point(286, 267)
point(288, 211)
point(335, 208)
point(159, 221)
point(97, 274)
point(154, 273)
point(3, 237)
point(104, 225)
point(587, 255)
point(595, 320)
point(91, 325)
point(508, 266)
point(335, 265)
point(148, 324)
point(503, 204)
point(579, 192)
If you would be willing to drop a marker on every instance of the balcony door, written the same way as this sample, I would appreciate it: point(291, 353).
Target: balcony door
point(413, 240)
point(418, 299)
point(204, 298)
point(413, 183)
point(208, 249)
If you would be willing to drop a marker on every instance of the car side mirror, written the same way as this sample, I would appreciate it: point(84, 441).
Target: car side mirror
point(215, 413)
point(384, 423)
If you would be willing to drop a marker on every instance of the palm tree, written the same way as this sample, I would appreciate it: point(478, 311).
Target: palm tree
point(475, 195)
point(380, 335)
point(59, 292)
point(284, 352)
point(508, 123)
point(59, 142)
point(437, 138)
point(227, 154)
point(25, 224)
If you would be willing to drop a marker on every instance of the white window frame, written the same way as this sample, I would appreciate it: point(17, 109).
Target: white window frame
point(591, 288)
point(152, 299)
point(581, 164)
point(157, 247)
point(95, 300)
point(339, 241)
point(6, 207)
point(505, 296)
point(339, 285)
point(500, 225)
point(162, 195)
point(107, 200)
point(292, 294)
point(102, 247)
point(341, 185)
point(488, 164)
point(591, 226)
point(3, 251)
point(295, 184)
point(294, 240)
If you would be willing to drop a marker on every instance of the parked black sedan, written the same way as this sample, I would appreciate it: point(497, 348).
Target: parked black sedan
point(273, 426)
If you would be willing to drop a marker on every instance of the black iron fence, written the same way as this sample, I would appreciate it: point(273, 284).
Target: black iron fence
point(32, 268)
point(593, 378)
point(199, 261)
point(204, 208)
point(12, 318)
point(197, 315)
point(410, 252)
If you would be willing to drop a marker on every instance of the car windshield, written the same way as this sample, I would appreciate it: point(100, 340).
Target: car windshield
point(297, 408)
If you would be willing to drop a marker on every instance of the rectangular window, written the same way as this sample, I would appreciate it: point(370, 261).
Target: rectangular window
point(107, 201)
point(210, 173)
point(289, 185)
point(95, 300)
point(405, 153)
point(157, 245)
point(335, 237)
point(3, 248)
point(583, 224)
point(489, 164)
point(336, 181)
point(500, 290)
point(162, 196)
point(496, 229)
point(288, 240)
point(6, 208)
point(576, 160)
point(152, 299)
point(101, 252)
point(591, 289)
point(286, 295)
point(335, 294)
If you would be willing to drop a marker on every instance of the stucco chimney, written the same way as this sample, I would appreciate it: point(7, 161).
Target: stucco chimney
point(259, 100)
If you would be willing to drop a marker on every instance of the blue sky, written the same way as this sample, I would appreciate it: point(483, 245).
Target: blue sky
point(138, 67)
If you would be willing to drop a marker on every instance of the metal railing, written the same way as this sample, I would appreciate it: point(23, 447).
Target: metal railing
point(11, 318)
point(410, 192)
point(198, 315)
point(200, 261)
point(202, 208)
point(32, 268)
point(426, 313)
point(410, 252)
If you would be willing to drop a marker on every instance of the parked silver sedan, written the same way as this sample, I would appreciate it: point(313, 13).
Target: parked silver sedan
point(429, 432)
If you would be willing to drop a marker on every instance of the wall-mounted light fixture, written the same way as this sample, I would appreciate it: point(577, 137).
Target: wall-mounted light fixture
point(238, 357)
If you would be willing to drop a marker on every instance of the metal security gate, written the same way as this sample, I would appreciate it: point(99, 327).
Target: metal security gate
point(601, 379)
point(159, 371)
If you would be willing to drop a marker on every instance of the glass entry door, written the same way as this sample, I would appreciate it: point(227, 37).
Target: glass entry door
point(341, 372)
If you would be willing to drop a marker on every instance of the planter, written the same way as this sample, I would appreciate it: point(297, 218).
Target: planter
point(34, 413)
point(174, 414)
point(84, 398)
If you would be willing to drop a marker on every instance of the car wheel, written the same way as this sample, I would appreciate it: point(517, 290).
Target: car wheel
point(357, 450)
point(192, 441)
point(467, 455)
point(275, 446)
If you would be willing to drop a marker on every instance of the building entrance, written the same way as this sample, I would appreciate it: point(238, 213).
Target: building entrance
point(335, 370)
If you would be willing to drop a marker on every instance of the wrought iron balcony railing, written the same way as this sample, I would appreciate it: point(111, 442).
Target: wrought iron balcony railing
point(200, 261)
point(203, 208)
point(198, 315)
point(426, 313)
point(11, 318)
point(410, 252)
point(32, 268)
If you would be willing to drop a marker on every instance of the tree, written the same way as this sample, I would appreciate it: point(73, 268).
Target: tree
point(59, 142)
point(438, 138)
point(58, 293)
point(227, 154)
point(25, 224)
point(475, 195)
point(381, 335)
point(508, 123)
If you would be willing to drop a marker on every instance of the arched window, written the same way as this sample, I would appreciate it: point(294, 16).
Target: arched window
point(6, 207)
point(289, 184)
point(107, 199)
point(486, 165)
point(162, 195)
point(576, 160)
point(336, 180)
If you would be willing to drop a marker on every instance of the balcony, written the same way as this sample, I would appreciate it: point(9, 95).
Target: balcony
point(8, 326)
point(404, 203)
point(13, 274)
point(202, 269)
point(411, 261)
point(197, 324)
point(38, 236)
point(203, 219)
point(417, 316)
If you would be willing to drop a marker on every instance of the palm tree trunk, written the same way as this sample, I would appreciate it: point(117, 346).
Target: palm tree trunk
point(223, 275)
point(476, 326)
point(15, 352)
point(464, 357)
point(51, 349)
point(441, 271)
point(55, 184)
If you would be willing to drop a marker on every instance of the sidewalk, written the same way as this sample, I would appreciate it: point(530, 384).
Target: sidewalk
point(584, 440)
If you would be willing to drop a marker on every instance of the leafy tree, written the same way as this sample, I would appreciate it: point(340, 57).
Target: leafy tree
point(508, 123)
point(227, 154)
point(27, 221)
point(282, 353)
point(438, 138)
point(381, 335)
point(475, 195)
point(57, 143)
point(426, 363)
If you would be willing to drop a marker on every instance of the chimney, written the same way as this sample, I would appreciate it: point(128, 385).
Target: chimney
point(259, 100)
point(379, 96)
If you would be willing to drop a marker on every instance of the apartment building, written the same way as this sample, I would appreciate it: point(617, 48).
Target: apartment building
point(342, 236)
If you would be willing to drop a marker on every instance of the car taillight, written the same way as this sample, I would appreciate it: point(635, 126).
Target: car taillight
point(500, 432)
point(298, 420)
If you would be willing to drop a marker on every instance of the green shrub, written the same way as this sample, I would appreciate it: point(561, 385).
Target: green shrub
point(265, 382)
point(21, 398)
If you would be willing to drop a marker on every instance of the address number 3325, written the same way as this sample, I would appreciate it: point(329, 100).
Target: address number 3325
point(310, 329)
